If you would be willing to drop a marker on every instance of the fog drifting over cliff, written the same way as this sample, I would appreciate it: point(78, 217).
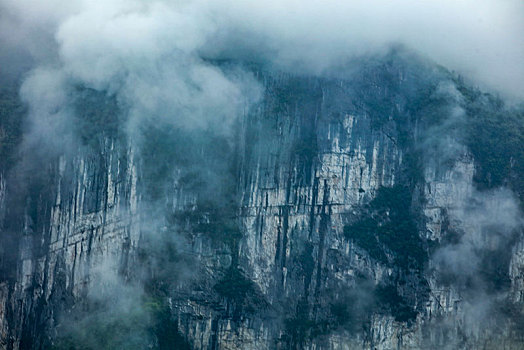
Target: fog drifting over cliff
point(163, 63)
point(99, 43)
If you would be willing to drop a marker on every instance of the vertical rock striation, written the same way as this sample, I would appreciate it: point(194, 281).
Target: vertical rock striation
point(321, 225)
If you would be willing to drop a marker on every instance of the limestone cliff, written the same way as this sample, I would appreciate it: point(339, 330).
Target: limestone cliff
point(345, 211)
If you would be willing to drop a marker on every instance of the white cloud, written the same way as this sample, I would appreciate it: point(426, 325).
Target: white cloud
point(149, 50)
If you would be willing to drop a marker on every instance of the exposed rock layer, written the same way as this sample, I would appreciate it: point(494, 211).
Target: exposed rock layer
point(268, 254)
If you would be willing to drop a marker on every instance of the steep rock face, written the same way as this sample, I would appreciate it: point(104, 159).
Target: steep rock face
point(340, 164)
point(295, 203)
point(288, 246)
point(88, 217)
point(4, 290)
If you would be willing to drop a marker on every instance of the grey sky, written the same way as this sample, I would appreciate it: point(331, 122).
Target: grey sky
point(481, 39)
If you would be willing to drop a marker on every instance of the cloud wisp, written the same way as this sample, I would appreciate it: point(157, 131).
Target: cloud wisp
point(100, 43)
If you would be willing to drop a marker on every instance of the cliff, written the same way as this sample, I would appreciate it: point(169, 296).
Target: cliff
point(349, 210)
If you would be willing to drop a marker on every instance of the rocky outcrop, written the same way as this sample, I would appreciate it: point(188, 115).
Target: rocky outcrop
point(322, 231)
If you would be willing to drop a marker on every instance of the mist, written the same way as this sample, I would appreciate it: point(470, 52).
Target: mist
point(482, 224)
point(177, 73)
point(154, 55)
point(96, 43)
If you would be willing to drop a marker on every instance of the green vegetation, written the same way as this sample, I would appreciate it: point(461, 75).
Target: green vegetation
point(345, 309)
point(164, 326)
point(305, 149)
point(352, 311)
point(364, 235)
point(494, 268)
point(492, 131)
point(219, 223)
point(388, 299)
point(495, 136)
point(429, 106)
point(395, 90)
point(101, 328)
point(240, 291)
point(148, 325)
point(216, 220)
point(301, 327)
point(389, 232)
point(378, 92)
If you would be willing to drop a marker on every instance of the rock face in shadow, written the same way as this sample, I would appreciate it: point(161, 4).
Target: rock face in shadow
point(333, 217)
